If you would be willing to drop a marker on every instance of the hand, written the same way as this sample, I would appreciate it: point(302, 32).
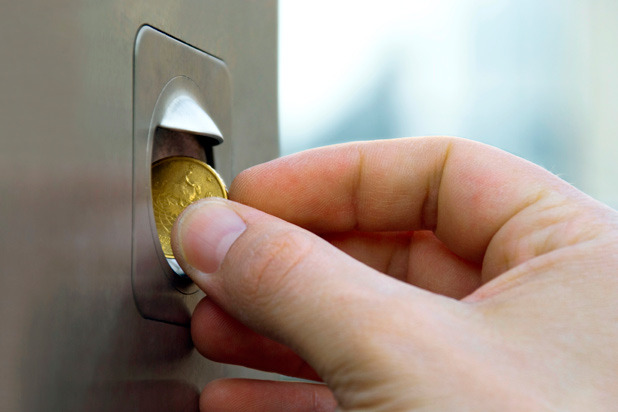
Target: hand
point(431, 274)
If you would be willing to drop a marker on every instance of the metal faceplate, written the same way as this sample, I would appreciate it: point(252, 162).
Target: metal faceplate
point(72, 336)
point(174, 86)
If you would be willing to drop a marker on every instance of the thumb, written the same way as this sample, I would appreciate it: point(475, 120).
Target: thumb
point(294, 287)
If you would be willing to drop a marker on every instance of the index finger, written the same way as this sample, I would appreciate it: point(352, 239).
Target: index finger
point(462, 190)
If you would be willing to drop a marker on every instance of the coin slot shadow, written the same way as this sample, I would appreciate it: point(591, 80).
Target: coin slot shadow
point(167, 143)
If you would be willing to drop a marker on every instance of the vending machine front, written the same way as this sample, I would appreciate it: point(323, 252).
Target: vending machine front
point(94, 95)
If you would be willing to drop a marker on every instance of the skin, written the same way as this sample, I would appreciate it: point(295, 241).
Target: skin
point(420, 274)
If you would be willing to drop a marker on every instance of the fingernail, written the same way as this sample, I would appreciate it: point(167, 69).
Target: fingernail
point(207, 230)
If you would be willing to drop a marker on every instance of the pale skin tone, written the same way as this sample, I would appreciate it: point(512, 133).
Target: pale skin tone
point(423, 274)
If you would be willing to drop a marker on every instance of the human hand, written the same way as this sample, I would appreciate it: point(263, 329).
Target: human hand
point(432, 274)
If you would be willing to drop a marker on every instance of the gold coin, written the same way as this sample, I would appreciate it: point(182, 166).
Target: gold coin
point(176, 183)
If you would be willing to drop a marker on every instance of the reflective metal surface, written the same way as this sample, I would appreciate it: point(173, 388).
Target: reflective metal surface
point(72, 338)
point(185, 115)
point(180, 93)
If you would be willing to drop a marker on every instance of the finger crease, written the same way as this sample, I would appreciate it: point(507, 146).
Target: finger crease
point(429, 211)
point(356, 187)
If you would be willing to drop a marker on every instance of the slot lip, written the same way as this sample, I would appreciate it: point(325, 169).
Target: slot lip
point(184, 114)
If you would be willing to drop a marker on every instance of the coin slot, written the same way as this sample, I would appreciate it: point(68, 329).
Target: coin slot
point(184, 132)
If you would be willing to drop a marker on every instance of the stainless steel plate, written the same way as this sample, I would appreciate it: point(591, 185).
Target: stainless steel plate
point(165, 70)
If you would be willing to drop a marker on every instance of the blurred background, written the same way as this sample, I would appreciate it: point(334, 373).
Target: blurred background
point(537, 78)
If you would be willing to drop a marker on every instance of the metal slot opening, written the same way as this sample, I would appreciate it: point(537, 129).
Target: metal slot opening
point(185, 130)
